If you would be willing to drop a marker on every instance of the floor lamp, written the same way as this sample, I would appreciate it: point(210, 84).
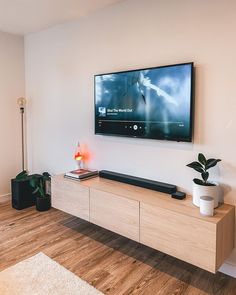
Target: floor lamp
point(21, 101)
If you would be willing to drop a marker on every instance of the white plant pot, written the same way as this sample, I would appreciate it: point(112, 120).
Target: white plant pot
point(203, 190)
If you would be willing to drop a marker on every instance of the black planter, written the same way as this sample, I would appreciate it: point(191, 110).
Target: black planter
point(22, 192)
point(43, 204)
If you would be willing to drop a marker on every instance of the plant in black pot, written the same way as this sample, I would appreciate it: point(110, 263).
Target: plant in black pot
point(22, 192)
point(204, 187)
point(43, 200)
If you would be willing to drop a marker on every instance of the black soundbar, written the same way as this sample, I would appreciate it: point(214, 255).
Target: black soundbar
point(142, 182)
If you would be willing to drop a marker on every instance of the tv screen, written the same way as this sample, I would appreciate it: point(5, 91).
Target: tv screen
point(153, 103)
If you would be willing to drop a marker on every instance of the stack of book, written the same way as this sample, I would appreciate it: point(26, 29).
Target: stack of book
point(81, 174)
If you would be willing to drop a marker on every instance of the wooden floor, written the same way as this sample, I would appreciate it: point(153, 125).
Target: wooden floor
point(111, 263)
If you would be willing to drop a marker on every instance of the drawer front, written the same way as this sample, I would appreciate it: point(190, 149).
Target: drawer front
point(187, 238)
point(115, 213)
point(69, 196)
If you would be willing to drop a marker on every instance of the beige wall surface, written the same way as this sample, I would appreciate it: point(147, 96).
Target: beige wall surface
point(12, 85)
point(61, 62)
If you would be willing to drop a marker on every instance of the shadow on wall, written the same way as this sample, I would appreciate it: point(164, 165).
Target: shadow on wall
point(87, 155)
point(224, 189)
point(228, 171)
point(199, 108)
point(163, 144)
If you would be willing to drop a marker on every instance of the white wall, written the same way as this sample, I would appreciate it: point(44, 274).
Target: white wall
point(12, 84)
point(61, 62)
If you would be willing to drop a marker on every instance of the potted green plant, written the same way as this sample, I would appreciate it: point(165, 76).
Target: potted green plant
point(21, 191)
point(204, 187)
point(43, 200)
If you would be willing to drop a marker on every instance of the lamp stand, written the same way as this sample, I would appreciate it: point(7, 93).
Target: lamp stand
point(22, 110)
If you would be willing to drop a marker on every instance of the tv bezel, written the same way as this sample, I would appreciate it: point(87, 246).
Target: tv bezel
point(189, 139)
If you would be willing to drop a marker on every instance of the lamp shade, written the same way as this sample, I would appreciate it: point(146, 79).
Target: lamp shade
point(21, 101)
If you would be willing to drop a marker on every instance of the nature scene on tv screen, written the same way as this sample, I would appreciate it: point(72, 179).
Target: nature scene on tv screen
point(152, 103)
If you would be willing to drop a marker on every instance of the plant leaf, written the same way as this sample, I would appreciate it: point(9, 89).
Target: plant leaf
point(22, 175)
point(198, 181)
point(209, 184)
point(35, 191)
point(33, 182)
point(46, 176)
point(205, 176)
point(202, 159)
point(41, 191)
point(211, 163)
point(196, 166)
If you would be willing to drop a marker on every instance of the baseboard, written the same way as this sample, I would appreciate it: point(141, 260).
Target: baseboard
point(228, 269)
point(5, 195)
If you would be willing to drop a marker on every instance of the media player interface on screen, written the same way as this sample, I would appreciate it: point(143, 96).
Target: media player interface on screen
point(150, 103)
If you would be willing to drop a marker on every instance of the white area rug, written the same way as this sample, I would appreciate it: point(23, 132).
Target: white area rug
point(40, 275)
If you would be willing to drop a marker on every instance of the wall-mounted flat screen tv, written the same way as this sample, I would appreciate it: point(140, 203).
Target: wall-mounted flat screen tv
point(155, 103)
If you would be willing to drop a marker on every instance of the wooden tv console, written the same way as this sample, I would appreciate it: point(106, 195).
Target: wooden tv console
point(151, 218)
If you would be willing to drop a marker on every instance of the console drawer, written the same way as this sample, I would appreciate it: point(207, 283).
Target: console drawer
point(115, 213)
point(187, 238)
point(70, 197)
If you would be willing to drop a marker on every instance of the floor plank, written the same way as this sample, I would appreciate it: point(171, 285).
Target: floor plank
point(113, 264)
